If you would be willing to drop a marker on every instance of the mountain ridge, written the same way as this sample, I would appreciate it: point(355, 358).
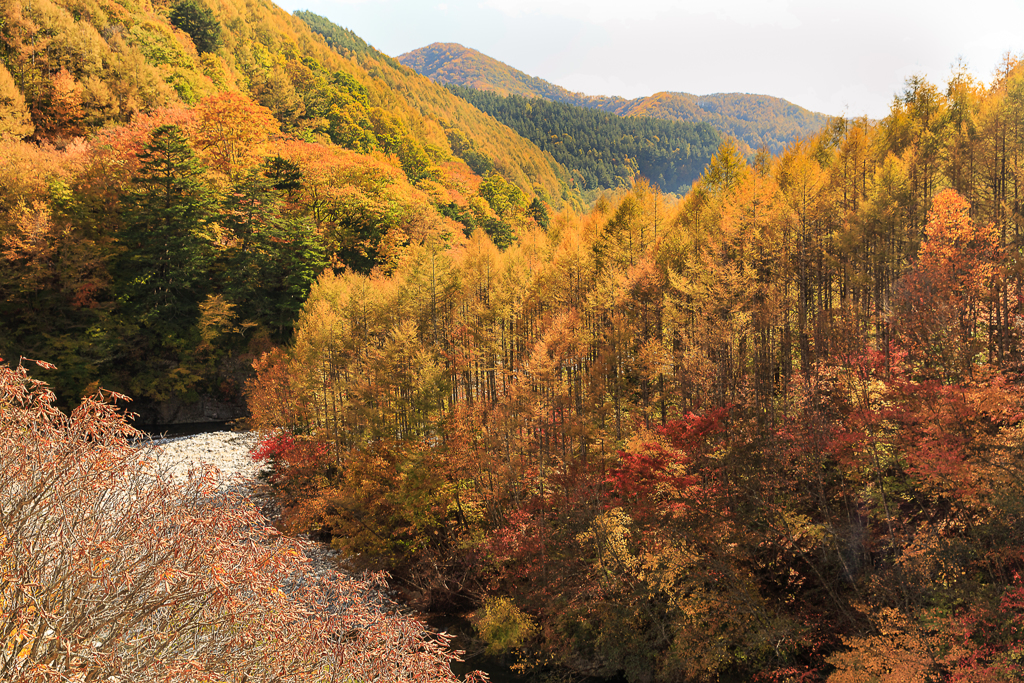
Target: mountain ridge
point(754, 119)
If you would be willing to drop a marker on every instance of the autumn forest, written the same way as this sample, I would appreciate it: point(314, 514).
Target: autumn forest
point(747, 416)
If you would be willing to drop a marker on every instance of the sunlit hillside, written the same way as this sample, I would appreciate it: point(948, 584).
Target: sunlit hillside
point(759, 121)
point(288, 155)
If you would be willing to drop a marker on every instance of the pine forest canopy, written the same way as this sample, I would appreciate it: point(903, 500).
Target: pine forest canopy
point(602, 150)
point(759, 121)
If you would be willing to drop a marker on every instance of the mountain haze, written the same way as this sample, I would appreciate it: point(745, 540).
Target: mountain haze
point(757, 120)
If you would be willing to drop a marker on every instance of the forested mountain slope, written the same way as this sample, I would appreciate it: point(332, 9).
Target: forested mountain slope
point(771, 431)
point(758, 120)
point(602, 150)
point(123, 62)
point(276, 155)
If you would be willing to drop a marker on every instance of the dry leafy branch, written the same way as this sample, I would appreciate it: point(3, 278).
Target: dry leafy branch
point(110, 571)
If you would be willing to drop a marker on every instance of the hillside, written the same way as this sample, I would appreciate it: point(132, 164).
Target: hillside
point(771, 431)
point(451, 63)
point(285, 153)
point(758, 120)
point(601, 150)
point(125, 62)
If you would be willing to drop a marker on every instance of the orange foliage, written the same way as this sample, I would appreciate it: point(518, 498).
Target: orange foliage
point(231, 131)
point(110, 568)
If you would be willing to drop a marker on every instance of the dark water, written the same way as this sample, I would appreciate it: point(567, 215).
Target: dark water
point(499, 669)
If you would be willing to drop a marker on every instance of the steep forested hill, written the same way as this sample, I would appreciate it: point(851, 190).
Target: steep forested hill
point(602, 150)
point(175, 175)
point(123, 62)
point(758, 120)
point(771, 431)
point(451, 63)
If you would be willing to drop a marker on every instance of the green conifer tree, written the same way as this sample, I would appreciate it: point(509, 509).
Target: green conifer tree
point(274, 258)
point(160, 277)
point(198, 22)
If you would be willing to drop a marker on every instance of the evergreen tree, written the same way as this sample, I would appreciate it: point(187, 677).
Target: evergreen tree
point(198, 22)
point(161, 275)
point(539, 213)
point(274, 258)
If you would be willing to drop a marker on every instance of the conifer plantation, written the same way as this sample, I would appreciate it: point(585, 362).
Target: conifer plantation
point(766, 430)
point(754, 121)
point(770, 431)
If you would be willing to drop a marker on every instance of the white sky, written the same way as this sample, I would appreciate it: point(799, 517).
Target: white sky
point(848, 58)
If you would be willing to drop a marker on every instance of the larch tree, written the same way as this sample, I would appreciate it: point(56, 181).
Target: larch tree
point(15, 119)
point(231, 131)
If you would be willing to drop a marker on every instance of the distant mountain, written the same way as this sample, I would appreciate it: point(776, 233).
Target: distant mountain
point(451, 63)
point(600, 149)
point(287, 145)
point(757, 120)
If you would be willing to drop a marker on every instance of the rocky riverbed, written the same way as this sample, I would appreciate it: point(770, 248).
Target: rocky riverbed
point(364, 602)
point(229, 452)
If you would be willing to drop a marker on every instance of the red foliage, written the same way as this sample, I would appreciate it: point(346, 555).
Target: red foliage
point(647, 472)
point(289, 457)
point(656, 478)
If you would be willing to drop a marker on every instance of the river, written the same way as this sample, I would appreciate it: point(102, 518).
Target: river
point(229, 453)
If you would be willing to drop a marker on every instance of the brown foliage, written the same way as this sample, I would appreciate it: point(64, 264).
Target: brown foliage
point(112, 570)
point(15, 121)
point(58, 114)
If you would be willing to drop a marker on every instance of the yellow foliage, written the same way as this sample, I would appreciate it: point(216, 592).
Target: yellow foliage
point(503, 626)
point(902, 651)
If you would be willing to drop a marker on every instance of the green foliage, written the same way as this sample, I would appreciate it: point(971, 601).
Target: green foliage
point(341, 39)
point(274, 258)
point(465, 149)
point(539, 212)
point(504, 198)
point(759, 121)
point(503, 626)
point(199, 22)
point(166, 239)
point(414, 160)
point(156, 41)
point(602, 150)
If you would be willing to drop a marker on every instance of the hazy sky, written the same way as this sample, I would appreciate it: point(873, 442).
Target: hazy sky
point(848, 58)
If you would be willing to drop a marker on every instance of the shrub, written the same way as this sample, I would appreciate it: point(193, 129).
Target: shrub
point(504, 627)
point(111, 571)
